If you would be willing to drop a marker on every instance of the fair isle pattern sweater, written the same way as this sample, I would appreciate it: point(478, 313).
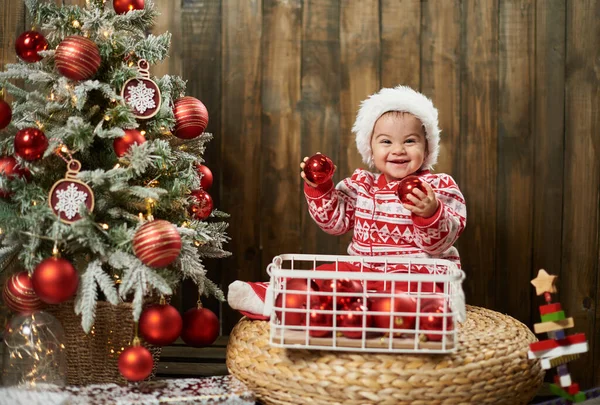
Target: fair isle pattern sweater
point(369, 205)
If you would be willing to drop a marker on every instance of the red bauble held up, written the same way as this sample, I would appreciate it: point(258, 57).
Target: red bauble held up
point(160, 324)
point(191, 117)
point(18, 294)
point(406, 187)
point(5, 114)
point(207, 177)
point(77, 58)
point(318, 169)
point(135, 363)
point(132, 136)
point(157, 243)
point(200, 327)
point(202, 205)
point(124, 6)
point(30, 144)
point(55, 280)
point(28, 44)
point(9, 168)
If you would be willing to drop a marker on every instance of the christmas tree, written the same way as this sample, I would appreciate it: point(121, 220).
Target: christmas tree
point(103, 191)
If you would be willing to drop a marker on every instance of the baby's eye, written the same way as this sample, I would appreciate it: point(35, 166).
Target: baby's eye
point(410, 141)
point(386, 141)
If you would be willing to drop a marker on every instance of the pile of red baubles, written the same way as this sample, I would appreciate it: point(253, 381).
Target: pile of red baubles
point(381, 311)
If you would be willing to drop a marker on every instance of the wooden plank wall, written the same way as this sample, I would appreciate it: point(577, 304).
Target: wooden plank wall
point(518, 89)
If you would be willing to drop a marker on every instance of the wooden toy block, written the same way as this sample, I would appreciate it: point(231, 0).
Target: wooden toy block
point(553, 326)
point(551, 363)
point(548, 309)
point(579, 397)
point(544, 282)
point(549, 344)
point(554, 316)
point(562, 370)
point(556, 390)
point(573, 388)
point(565, 381)
point(559, 334)
point(543, 345)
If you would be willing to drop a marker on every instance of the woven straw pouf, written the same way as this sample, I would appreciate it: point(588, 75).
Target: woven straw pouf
point(490, 367)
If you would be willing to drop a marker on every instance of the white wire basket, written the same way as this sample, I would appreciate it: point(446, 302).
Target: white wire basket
point(368, 304)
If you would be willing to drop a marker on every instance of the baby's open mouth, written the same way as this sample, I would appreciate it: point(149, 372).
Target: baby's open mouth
point(399, 162)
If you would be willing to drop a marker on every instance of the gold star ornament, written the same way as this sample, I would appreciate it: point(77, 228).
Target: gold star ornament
point(544, 282)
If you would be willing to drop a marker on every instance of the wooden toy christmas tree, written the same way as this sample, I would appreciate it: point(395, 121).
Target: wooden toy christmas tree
point(559, 348)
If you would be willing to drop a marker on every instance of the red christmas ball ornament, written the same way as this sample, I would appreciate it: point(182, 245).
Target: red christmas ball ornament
point(77, 58)
point(160, 324)
point(28, 44)
point(432, 322)
point(191, 117)
point(343, 286)
point(318, 169)
point(319, 318)
point(200, 327)
point(357, 317)
point(9, 168)
point(397, 303)
point(202, 205)
point(296, 297)
point(124, 6)
point(406, 187)
point(5, 114)
point(18, 294)
point(157, 243)
point(206, 175)
point(55, 280)
point(132, 136)
point(30, 143)
point(135, 363)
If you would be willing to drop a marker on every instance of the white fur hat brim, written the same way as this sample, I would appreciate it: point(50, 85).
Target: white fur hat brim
point(400, 98)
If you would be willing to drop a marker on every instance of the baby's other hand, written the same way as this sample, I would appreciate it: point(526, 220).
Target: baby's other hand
point(423, 205)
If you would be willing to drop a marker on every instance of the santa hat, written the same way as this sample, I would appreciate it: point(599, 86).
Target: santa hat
point(400, 98)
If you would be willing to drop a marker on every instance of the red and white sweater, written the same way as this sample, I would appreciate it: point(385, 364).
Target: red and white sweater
point(369, 205)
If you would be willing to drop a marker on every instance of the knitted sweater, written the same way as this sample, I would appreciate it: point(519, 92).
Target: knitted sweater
point(367, 204)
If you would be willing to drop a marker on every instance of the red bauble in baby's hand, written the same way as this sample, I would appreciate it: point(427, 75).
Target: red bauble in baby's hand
point(406, 187)
point(319, 169)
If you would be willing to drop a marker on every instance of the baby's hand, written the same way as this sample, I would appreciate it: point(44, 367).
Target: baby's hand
point(423, 205)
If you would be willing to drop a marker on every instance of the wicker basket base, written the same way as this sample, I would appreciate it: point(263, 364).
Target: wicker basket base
point(93, 358)
point(489, 367)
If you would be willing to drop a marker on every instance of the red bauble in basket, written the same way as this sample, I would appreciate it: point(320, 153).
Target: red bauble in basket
point(132, 137)
point(358, 317)
point(207, 177)
point(202, 205)
point(191, 117)
point(77, 58)
point(125, 6)
point(200, 327)
point(30, 144)
point(160, 324)
point(432, 322)
point(135, 363)
point(28, 44)
point(5, 114)
point(18, 294)
point(406, 187)
point(343, 286)
point(55, 280)
point(318, 169)
point(157, 243)
point(296, 297)
point(397, 303)
point(319, 318)
point(9, 168)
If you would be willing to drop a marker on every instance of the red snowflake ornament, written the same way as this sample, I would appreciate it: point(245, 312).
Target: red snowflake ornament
point(68, 195)
point(142, 94)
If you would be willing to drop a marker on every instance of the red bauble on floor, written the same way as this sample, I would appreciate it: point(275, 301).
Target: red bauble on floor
point(30, 143)
point(406, 187)
point(318, 169)
point(135, 363)
point(157, 243)
point(207, 177)
point(160, 324)
point(5, 114)
point(55, 280)
point(18, 294)
point(28, 44)
point(200, 327)
point(132, 136)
